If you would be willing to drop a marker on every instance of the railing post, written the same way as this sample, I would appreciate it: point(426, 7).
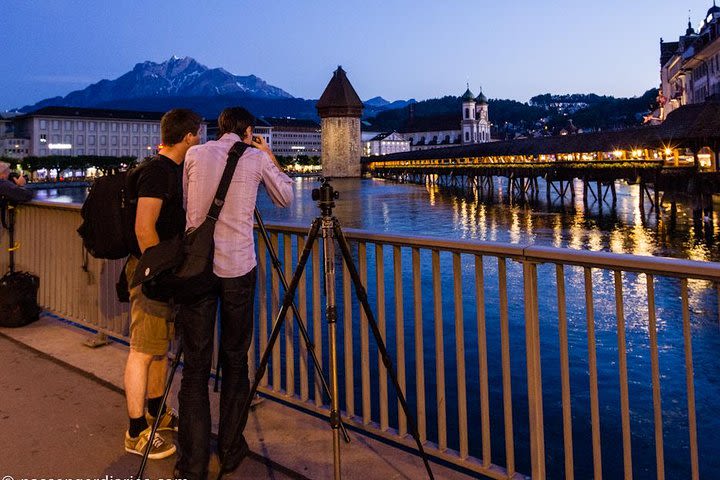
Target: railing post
point(532, 343)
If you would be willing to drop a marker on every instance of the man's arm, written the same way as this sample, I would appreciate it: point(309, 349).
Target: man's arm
point(13, 192)
point(148, 211)
point(277, 183)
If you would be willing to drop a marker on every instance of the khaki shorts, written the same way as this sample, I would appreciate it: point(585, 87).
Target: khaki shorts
point(150, 327)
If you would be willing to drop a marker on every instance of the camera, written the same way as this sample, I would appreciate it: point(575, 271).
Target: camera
point(13, 175)
point(325, 196)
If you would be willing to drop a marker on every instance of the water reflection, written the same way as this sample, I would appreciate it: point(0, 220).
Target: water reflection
point(377, 205)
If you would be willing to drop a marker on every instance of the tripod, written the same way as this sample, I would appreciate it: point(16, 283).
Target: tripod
point(301, 327)
point(329, 227)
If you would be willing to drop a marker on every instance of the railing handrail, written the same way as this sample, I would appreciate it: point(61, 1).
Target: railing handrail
point(541, 254)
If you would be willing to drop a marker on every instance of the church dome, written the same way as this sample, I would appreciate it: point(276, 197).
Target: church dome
point(713, 9)
point(468, 96)
point(481, 99)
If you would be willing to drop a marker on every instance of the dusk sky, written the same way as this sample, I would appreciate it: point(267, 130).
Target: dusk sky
point(395, 49)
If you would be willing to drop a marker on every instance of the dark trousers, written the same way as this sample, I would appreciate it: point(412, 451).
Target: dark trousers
point(197, 323)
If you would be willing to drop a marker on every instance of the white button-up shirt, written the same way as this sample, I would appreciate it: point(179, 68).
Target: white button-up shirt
point(234, 242)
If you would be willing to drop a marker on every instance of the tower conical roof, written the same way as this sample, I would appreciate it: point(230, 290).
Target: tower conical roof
point(339, 98)
point(481, 99)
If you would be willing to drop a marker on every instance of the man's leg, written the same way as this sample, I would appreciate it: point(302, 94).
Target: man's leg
point(196, 322)
point(237, 296)
point(149, 340)
point(136, 380)
point(157, 377)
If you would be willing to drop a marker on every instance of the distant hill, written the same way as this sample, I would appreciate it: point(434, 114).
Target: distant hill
point(591, 112)
point(174, 78)
point(184, 82)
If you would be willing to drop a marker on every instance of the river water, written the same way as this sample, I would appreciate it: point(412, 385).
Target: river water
point(408, 209)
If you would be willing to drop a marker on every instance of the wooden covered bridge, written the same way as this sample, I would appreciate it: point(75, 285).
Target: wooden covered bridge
point(679, 156)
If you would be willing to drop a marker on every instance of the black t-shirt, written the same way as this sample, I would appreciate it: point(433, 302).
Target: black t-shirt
point(161, 178)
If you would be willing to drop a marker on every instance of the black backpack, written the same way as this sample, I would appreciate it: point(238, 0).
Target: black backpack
point(18, 299)
point(108, 227)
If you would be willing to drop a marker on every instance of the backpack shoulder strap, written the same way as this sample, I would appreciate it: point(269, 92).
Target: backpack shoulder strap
point(233, 156)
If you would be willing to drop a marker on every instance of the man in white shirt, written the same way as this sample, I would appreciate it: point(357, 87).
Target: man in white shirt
point(234, 267)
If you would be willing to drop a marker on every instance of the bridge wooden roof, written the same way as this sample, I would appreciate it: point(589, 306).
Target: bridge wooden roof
point(691, 126)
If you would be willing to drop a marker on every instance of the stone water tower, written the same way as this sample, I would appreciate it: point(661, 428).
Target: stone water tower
point(340, 109)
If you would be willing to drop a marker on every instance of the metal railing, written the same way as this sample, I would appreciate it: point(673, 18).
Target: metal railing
point(516, 360)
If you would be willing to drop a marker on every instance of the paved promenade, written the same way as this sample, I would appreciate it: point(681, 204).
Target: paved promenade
point(62, 416)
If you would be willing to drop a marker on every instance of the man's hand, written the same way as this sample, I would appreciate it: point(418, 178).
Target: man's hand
point(20, 181)
point(260, 143)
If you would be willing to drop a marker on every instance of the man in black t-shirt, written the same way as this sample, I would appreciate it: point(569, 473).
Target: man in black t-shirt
point(157, 185)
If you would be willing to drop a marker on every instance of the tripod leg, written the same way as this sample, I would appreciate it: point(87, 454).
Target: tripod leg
point(287, 300)
point(156, 423)
point(363, 299)
point(301, 325)
point(331, 314)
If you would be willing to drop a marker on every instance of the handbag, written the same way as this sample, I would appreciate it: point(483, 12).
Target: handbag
point(182, 268)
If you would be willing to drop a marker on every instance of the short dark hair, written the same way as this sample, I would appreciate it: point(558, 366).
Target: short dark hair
point(235, 120)
point(177, 123)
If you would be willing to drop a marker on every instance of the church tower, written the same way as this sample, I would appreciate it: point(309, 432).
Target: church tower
point(340, 109)
point(469, 123)
point(481, 114)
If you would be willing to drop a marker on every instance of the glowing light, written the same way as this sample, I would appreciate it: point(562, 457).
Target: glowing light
point(668, 151)
point(59, 146)
point(618, 153)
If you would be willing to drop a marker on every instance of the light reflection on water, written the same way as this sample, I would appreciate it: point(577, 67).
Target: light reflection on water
point(385, 207)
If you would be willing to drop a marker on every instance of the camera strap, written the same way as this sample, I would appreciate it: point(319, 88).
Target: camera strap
point(219, 200)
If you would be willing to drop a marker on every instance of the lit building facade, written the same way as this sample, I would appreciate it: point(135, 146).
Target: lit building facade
point(385, 143)
point(690, 67)
point(85, 131)
point(293, 138)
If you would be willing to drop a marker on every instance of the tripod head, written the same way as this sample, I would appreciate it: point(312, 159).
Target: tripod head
point(325, 196)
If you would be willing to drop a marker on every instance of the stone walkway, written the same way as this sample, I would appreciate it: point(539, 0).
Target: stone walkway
point(58, 422)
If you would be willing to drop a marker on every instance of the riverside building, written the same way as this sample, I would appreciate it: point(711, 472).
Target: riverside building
point(76, 131)
point(690, 67)
point(473, 127)
point(293, 137)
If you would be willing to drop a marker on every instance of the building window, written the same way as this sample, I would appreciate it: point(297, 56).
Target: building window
point(467, 113)
point(80, 140)
point(91, 140)
point(113, 140)
point(91, 126)
point(80, 125)
point(81, 151)
point(145, 127)
point(43, 124)
point(43, 138)
point(103, 140)
point(467, 136)
point(68, 125)
point(114, 152)
point(56, 124)
point(155, 128)
point(125, 141)
point(134, 127)
point(68, 139)
point(56, 138)
point(135, 140)
point(103, 127)
point(124, 127)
